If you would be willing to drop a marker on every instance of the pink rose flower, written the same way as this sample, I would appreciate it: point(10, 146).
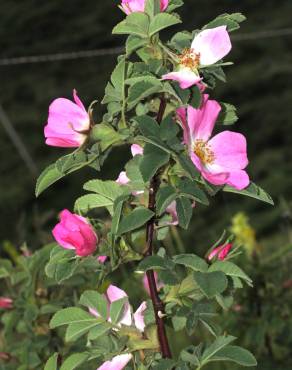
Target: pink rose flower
point(6, 303)
point(220, 252)
point(221, 159)
point(102, 259)
point(116, 363)
point(75, 232)
point(208, 47)
point(113, 294)
point(131, 6)
point(68, 123)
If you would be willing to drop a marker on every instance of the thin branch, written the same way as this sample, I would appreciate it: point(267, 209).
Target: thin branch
point(156, 301)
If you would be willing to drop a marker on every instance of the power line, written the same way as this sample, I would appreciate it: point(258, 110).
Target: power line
point(82, 54)
point(18, 143)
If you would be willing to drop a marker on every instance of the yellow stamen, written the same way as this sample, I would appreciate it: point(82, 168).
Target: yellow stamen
point(189, 59)
point(203, 150)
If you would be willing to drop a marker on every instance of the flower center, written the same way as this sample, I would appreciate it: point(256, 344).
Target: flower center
point(189, 59)
point(203, 150)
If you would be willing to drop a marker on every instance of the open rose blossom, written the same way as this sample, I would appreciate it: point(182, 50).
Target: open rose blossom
point(131, 6)
point(116, 363)
point(6, 303)
point(220, 159)
point(75, 232)
point(220, 252)
point(68, 123)
point(208, 47)
point(113, 294)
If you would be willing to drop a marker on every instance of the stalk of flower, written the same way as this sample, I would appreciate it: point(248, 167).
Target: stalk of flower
point(76, 233)
point(68, 123)
point(131, 6)
point(220, 159)
point(208, 47)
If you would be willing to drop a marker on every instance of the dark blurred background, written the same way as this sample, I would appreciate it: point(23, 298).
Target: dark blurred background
point(259, 84)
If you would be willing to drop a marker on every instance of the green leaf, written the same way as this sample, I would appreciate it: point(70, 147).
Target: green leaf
point(184, 211)
point(215, 347)
point(116, 309)
point(135, 24)
point(153, 158)
point(154, 263)
point(48, 177)
point(165, 196)
point(211, 283)
point(188, 166)
point(230, 20)
point(75, 330)
point(141, 90)
point(73, 361)
point(134, 220)
point(105, 135)
point(235, 354)
point(191, 261)
point(118, 207)
point(168, 128)
point(148, 126)
point(61, 266)
point(192, 190)
point(227, 115)
point(252, 191)
point(52, 363)
point(108, 189)
point(72, 315)
point(165, 364)
point(118, 75)
point(230, 269)
point(162, 21)
point(133, 43)
point(152, 7)
point(99, 330)
point(90, 201)
point(95, 300)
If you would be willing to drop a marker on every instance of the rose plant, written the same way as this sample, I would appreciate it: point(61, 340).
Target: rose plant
point(160, 103)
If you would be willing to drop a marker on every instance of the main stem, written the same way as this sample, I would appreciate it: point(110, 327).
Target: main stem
point(156, 301)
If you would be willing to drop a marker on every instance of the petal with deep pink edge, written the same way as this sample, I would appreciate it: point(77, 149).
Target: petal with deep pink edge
point(185, 77)
point(116, 363)
point(139, 317)
point(201, 121)
point(230, 150)
point(212, 45)
point(163, 5)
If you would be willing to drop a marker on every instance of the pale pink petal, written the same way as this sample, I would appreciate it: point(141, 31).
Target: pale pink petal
point(131, 6)
point(171, 209)
point(117, 363)
point(230, 150)
point(136, 149)
point(214, 178)
point(201, 121)
point(78, 101)
point(238, 179)
point(212, 45)
point(185, 77)
point(114, 293)
point(139, 317)
point(65, 143)
point(93, 312)
point(123, 178)
point(102, 259)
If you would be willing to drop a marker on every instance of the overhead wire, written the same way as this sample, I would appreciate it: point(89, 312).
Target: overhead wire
point(83, 54)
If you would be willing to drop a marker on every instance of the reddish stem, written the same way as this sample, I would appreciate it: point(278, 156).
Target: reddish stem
point(158, 305)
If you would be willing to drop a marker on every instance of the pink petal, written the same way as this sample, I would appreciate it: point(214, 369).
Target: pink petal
point(131, 6)
point(136, 149)
point(102, 259)
point(238, 179)
point(212, 45)
point(114, 293)
point(222, 252)
point(163, 5)
point(171, 209)
point(201, 121)
point(78, 101)
point(230, 150)
point(139, 317)
point(185, 77)
point(66, 143)
point(182, 117)
point(123, 178)
point(117, 363)
point(6, 303)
